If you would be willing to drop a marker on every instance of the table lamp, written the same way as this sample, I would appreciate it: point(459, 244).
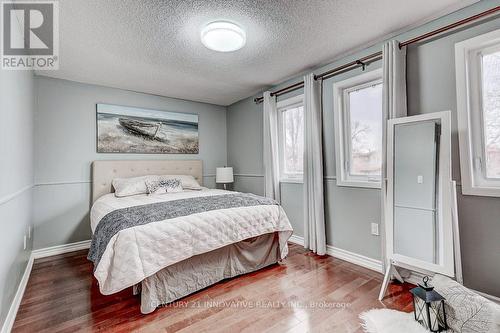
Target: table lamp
point(224, 176)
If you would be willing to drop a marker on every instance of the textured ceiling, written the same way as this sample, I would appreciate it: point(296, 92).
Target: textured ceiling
point(154, 46)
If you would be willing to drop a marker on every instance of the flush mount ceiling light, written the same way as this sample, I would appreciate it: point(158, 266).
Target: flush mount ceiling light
point(223, 36)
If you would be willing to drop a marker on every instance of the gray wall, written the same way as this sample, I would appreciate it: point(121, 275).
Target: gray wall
point(65, 136)
point(17, 102)
point(349, 211)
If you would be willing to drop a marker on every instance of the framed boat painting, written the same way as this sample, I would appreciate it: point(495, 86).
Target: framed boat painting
point(124, 129)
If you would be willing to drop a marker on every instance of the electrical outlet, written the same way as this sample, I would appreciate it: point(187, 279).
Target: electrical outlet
point(24, 246)
point(375, 229)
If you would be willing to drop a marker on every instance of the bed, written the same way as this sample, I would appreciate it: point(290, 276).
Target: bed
point(171, 245)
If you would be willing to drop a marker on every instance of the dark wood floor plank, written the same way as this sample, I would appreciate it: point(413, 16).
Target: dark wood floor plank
point(304, 293)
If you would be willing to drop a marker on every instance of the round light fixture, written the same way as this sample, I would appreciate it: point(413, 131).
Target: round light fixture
point(223, 36)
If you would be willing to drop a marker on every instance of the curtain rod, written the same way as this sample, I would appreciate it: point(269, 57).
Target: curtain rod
point(362, 62)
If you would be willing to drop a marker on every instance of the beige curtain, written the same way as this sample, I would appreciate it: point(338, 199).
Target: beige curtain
point(393, 106)
point(314, 210)
point(270, 149)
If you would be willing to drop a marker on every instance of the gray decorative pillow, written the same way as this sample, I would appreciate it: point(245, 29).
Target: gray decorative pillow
point(163, 186)
point(467, 311)
point(188, 182)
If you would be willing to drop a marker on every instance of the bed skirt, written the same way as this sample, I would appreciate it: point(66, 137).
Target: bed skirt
point(200, 271)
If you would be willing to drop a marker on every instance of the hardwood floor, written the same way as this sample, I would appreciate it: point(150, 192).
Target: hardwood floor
point(306, 293)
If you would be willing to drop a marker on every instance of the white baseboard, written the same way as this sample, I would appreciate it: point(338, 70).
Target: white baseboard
point(11, 315)
point(357, 259)
point(60, 249)
point(296, 240)
point(354, 258)
point(36, 254)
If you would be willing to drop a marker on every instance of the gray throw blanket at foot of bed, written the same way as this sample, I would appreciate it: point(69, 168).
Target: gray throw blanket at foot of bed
point(124, 218)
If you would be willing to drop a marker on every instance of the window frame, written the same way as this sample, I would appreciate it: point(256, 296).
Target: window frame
point(282, 106)
point(343, 145)
point(470, 115)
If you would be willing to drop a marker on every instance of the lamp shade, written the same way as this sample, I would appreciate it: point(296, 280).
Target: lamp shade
point(224, 175)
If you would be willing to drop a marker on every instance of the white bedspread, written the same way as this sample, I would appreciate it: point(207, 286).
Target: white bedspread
point(138, 252)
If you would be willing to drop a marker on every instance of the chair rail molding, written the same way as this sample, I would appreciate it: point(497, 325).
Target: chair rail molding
point(9, 197)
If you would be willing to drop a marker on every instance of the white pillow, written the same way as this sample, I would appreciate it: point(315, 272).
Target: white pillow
point(467, 311)
point(188, 182)
point(125, 187)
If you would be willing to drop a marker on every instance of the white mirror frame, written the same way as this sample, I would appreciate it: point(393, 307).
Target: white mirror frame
point(446, 263)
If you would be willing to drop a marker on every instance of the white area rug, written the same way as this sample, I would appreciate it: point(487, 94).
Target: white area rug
point(390, 321)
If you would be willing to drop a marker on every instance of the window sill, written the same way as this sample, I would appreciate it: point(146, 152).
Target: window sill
point(481, 191)
point(359, 184)
point(292, 181)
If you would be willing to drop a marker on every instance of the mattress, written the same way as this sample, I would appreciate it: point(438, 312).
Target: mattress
point(136, 253)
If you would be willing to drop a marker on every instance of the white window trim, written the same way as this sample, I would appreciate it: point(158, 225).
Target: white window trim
point(340, 121)
point(281, 106)
point(470, 131)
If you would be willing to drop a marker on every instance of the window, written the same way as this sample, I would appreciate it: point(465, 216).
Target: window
point(490, 82)
point(291, 139)
point(358, 130)
point(477, 62)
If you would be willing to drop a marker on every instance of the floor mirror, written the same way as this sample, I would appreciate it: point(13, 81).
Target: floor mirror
point(420, 221)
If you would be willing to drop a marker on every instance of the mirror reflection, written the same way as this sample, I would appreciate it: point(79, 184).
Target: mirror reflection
point(416, 156)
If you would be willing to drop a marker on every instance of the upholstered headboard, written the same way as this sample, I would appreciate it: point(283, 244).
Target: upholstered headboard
point(103, 172)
